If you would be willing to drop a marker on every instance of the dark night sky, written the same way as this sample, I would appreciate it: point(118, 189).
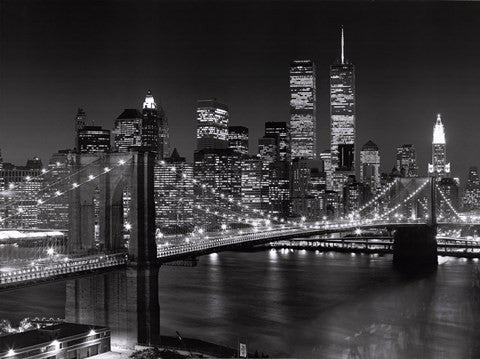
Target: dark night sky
point(412, 61)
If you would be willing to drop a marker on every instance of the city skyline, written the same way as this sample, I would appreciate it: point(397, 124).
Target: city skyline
point(373, 118)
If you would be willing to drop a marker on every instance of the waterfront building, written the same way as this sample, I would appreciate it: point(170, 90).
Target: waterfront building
point(128, 130)
point(279, 189)
point(93, 139)
point(220, 170)
point(255, 183)
point(303, 121)
point(60, 341)
point(155, 130)
point(212, 125)
point(281, 133)
point(406, 160)
point(24, 183)
point(370, 166)
point(54, 212)
point(238, 139)
point(174, 194)
point(471, 197)
point(439, 166)
point(307, 188)
point(342, 119)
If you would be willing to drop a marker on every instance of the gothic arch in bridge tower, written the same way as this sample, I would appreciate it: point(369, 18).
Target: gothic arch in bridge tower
point(136, 174)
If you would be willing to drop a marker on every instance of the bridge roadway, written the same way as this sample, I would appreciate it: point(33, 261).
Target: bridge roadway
point(62, 267)
point(223, 242)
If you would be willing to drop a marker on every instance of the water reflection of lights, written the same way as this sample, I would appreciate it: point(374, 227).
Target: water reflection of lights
point(272, 254)
point(213, 257)
point(443, 260)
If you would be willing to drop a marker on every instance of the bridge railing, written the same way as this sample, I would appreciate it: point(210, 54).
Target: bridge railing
point(65, 267)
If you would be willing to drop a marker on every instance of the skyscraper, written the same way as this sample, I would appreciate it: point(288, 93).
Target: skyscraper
point(439, 166)
point(406, 160)
point(128, 130)
point(54, 212)
point(281, 133)
point(342, 117)
point(155, 132)
point(471, 198)
point(219, 169)
point(174, 194)
point(212, 125)
point(21, 208)
point(238, 139)
point(370, 166)
point(326, 158)
point(80, 122)
point(303, 122)
point(268, 149)
point(93, 139)
point(255, 183)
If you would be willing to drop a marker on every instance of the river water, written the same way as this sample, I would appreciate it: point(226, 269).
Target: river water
point(305, 304)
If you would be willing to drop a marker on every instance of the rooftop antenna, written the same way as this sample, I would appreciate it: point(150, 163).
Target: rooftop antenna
point(343, 53)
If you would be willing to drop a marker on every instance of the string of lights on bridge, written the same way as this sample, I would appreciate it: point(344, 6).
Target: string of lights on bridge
point(413, 194)
point(376, 198)
point(73, 186)
point(445, 198)
point(44, 188)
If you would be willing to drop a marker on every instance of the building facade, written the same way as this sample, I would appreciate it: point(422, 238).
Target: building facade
point(128, 130)
point(406, 160)
point(303, 103)
point(471, 197)
point(370, 166)
point(155, 130)
point(342, 118)
point(93, 139)
point(212, 125)
point(238, 139)
point(61, 341)
point(281, 133)
point(21, 209)
point(174, 193)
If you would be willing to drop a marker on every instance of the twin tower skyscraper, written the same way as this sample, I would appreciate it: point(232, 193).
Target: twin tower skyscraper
point(339, 162)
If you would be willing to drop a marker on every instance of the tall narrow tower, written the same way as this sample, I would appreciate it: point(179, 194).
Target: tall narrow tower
point(342, 119)
point(155, 134)
point(303, 103)
point(439, 166)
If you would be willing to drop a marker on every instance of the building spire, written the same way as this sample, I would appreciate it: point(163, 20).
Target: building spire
point(343, 45)
point(438, 131)
point(149, 101)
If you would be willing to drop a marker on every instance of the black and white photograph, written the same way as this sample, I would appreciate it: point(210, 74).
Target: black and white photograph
point(284, 179)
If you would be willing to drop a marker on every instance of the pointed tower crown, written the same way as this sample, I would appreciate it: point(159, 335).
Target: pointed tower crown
point(439, 132)
point(149, 101)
